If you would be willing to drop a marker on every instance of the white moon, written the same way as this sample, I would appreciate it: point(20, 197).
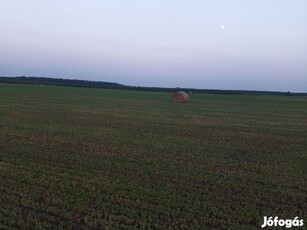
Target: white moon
point(222, 27)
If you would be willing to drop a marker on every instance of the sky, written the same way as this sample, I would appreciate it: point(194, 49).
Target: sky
point(210, 44)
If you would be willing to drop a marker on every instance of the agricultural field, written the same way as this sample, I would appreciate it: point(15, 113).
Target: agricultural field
point(81, 158)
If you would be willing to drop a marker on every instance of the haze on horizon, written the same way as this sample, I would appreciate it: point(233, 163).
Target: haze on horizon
point(222, 44)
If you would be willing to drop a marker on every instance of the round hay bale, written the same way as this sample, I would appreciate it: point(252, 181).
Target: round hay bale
point(180, 97)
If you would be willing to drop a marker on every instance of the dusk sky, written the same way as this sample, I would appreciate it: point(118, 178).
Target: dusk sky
point(211, 44)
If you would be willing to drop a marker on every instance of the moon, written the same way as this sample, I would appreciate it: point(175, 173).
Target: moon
point(222, 27)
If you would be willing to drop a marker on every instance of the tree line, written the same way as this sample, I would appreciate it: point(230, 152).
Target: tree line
point(113, 85)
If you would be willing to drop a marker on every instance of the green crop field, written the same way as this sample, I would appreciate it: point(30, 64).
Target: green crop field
point(80, 158)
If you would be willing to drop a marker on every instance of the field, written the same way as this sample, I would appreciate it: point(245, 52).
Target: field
point(79, 158)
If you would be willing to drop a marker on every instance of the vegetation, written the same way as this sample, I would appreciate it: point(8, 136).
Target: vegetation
point(85, 158)
point(60, 82)
point(110, 85)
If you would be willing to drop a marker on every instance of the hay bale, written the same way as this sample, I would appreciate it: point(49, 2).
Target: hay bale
point(180, 97)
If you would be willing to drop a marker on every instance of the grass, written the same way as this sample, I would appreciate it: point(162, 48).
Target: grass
point(77, 158)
